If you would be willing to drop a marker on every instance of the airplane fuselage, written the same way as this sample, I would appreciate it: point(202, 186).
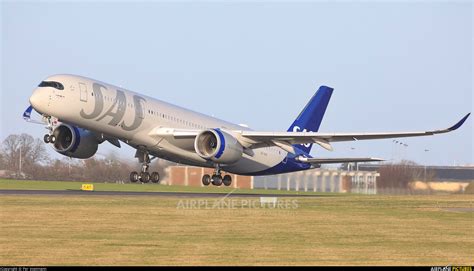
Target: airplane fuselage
point(130, 117)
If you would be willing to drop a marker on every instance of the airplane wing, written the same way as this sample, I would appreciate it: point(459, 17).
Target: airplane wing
point(286, 139)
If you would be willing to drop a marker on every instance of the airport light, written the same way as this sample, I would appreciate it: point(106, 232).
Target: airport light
point(19, 173)
point(355, 163)
point(395, 149)
point(426, 150)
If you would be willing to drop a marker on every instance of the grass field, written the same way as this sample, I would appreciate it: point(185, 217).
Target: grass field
point(347, 230)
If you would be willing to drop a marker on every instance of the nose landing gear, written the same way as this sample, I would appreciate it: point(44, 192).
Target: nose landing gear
point(49, 137)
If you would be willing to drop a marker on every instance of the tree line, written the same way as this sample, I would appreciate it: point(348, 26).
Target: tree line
point(25, 157)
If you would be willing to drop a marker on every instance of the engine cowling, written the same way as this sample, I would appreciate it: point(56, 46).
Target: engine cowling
point(218, 146)
point(74, 141)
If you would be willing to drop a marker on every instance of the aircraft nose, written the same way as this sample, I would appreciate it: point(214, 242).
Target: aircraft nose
point(37, 99)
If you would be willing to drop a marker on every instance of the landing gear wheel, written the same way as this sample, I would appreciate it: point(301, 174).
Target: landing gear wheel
point(52, 139)
point(134, 177)
point(46, 138)
point(217, 180)
point(155, 177)
point(227, 180)
point(145, 177)
point(206, 180)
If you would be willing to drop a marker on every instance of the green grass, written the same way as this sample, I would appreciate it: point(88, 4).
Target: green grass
point(124, 230)
point(137, 187)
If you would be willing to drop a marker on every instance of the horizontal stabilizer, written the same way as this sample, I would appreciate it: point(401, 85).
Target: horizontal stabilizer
point(336, 160)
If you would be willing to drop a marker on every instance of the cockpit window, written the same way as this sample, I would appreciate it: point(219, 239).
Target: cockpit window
point(52, 84)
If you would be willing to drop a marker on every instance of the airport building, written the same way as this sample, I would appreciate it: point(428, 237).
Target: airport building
point(315, 180)
point(322, 180)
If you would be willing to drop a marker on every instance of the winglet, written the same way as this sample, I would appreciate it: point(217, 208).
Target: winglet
point(27, 116)
point(459, 124)
point(27, 113)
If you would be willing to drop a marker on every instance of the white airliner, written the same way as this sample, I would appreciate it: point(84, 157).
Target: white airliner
point(81, 113)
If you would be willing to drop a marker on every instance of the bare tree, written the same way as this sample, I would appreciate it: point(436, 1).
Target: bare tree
point(23, 149)
point(2, 162)
point(398, 175)
point(37, 164)
point(10, 150)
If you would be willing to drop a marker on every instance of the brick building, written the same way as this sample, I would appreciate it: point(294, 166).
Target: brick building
point(191, 176)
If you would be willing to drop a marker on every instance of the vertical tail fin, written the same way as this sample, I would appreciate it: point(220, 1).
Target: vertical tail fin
point(310, 118)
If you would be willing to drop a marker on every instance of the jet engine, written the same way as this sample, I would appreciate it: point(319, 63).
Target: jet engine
point(74, 141)
point(218, 146)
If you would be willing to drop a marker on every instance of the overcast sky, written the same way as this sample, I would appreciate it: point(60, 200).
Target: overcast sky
point(394, 66)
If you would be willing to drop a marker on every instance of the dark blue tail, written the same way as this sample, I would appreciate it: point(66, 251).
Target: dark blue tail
point(310, 118)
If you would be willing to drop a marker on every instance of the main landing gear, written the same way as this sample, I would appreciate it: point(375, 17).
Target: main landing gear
point(216, 178)
point(144, 176)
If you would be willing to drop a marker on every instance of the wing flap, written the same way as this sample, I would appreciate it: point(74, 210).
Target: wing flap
point(336, 160)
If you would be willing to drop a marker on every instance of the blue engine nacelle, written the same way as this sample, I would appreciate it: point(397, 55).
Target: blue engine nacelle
point(74, 141)
point(218, 146)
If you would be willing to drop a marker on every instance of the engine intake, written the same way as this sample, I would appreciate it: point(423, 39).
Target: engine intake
point(74, 141)
point(218, 146)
